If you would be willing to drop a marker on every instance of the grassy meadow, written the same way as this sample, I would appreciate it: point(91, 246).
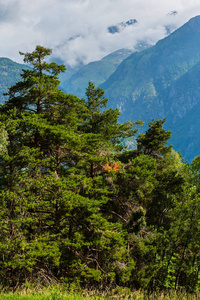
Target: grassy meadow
point(61, 294)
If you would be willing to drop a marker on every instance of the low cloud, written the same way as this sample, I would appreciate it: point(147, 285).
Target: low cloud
point(77, 30)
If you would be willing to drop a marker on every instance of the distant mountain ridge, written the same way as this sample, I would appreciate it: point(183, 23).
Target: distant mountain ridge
point(9, 74)
point(143, 76)
point(162, 81)
point(97, 72)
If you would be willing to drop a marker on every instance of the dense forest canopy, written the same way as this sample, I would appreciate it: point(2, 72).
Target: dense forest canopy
point(76, 206)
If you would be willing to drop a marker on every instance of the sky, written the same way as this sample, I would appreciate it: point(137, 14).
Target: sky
point(77, 30)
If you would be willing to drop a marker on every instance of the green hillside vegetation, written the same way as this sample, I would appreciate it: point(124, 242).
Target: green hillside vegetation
point(9, 75)
point(97, 72)
point(77, 207)
point(183, 117)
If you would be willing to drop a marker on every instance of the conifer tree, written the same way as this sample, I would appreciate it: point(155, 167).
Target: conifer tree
point(154, 141)
point(40, 121)
point(102, 131)
point(3, 139)
point(53, 188)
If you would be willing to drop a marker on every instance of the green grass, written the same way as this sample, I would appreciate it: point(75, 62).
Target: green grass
point(60, 294)
point(42, 296)
point(48, 294)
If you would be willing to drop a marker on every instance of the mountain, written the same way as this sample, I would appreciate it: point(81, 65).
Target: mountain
point(140, 80)
point(162, 81)
point(183, 100)
point(75, 80)
point(97, 72)
point(117, 28)
point(9, 74)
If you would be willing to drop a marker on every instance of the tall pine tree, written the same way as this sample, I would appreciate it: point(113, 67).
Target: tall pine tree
point(54, 186)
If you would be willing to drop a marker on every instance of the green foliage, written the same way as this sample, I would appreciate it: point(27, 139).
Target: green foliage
point(53, 186)
point(77, 206)
point(3, 139)
point(195, 167)
point(154, 141)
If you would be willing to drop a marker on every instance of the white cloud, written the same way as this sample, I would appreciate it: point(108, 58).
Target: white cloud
point(76, 30)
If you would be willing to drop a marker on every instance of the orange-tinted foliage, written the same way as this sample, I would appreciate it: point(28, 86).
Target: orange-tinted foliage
point(115, 167)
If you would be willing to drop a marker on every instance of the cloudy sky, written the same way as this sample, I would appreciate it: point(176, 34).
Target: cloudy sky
point(77, 30)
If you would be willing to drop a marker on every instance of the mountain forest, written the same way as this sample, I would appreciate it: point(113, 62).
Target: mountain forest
point(78, 207)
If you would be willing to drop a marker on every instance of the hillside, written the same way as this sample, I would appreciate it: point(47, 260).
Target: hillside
point(97, 72)
point(182, 97)
point(151, 84)
point(9, 74)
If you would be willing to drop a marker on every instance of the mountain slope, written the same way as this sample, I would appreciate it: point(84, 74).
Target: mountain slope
point(9, 74)
point(163, 81)
point(97, 72)
point(138, 84)
point(182, 107)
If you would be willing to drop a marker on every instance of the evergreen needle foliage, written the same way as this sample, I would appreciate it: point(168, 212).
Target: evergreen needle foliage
point(77, 207)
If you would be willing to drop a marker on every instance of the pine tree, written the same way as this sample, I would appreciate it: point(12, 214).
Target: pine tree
point(102, 131)
point(53, 184)
point(3, 139)
point(154, 141)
